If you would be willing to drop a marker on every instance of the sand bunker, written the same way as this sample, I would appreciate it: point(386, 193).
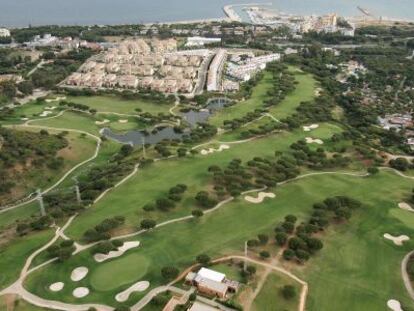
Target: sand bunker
point(123, 121)
point(137, 287)
point(405, 206)
point(80, 292)
point(50, 108)
point(119, 252)
point(310, 140)
point(24, 119)
point(261, 196)
point(102, 122)
point(310, 127)
point(394, 305)
point(59, 98)
point(398, 240)
point(78, 273)
point(212, 150)
point(56, 287)
point(46, 113)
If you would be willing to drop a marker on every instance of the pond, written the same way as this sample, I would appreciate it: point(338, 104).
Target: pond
point(192, 117)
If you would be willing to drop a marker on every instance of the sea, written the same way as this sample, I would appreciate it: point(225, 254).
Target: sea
point(22, 13)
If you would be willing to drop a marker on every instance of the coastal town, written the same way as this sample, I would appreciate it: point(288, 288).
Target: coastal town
point(257, 161)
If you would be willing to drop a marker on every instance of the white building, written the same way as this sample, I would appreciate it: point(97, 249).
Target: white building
point(4, 32)
point(201, 41)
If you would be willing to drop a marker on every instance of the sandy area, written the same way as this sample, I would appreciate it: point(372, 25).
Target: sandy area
point(212, 150)
point(59, 98)
point(398, 240)
point(78, 273)
point(310, 140)
point(310, 127)
point(123, 121)
point(46, 113)
point(261, 196)
point(56, 287)
point(24, 119)
point(50, 108)
point(102, 122)
point(318, 92)
point(405, 206)
point(137, 287)
point(119, 252)
point(394, 305)
point(80, 292)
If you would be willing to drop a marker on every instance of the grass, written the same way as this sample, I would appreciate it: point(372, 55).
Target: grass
point(355, 260)
point(147, 185)
point(240, 109)
point(123, 271)
point(270, 297)
point(118, 105)
point(304, 91)
point(13, 256)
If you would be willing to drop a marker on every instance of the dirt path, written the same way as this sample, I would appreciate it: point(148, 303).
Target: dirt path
point(93, 157)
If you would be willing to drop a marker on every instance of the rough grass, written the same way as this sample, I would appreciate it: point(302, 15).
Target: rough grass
point(118, 105)
point(270, 297)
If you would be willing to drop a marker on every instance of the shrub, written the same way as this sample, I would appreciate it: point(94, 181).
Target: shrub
point(288, 292)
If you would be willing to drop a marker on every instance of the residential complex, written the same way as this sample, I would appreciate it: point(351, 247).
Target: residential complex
point(141, 64)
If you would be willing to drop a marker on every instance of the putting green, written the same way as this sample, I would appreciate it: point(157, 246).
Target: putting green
point(113, 274)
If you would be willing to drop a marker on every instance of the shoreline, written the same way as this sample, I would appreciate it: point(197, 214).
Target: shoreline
point(230, 15)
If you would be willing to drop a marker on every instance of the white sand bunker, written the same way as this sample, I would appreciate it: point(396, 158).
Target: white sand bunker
point(50, 108)
point(310, 140)
point(59, 98)
point(46, 113)
point(261, 196)
point(310, 127)
point(78, 274)
point(137, 287)
point(119, 252)
point(56, 287)
point(123, 121)
point(398, 240)
point(405, 206)
point(394, 305)
point(102, 122)
point(80, 292)
point(212, 150)
point(24, 119)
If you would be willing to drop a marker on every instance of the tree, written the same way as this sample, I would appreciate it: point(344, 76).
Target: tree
point(251, 270)
point(252, 243)
point(181, 152)
point(288, 254)
point(263, 238)
point(169, 272)
point(203, 259)
point(291, 218)
point(288, 292)
point(400, 164)
point(264, 254)
point(302, 255)
point(148, 224)
point(373, 170)
point(197, 213)
point(281, 238)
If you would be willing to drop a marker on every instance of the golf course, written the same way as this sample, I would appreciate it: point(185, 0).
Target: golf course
point(357, 268)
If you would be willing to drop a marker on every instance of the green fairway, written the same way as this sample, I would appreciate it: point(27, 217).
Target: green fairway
point(270, 297)
point(242, 108)
point(304, 91)
point(351, 248)
point(112, 274)
point(118, 105)
point(147, 185)
point(71, 120)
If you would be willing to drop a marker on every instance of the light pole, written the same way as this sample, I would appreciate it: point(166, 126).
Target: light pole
point(41, 204)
